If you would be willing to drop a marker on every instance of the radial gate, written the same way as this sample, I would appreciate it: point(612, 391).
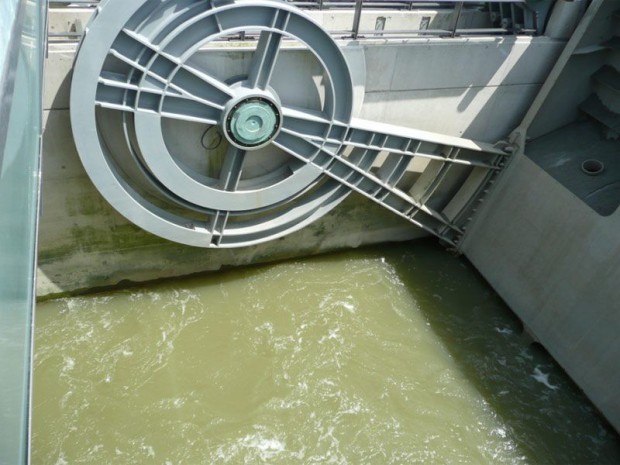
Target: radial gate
point(215, 156)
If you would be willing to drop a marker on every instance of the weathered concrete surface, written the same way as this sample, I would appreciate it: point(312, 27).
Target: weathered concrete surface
point(84, 243)
point(554, 260)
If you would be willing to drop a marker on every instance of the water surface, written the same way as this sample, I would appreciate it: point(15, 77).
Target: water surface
point(391, 355)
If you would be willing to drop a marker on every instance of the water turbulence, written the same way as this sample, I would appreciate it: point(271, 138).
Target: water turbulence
point(392, 355)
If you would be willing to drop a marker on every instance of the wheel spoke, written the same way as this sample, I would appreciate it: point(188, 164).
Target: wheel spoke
point(232, 166)
point(159, 74)
point(114, 92)
point(423, 144)
point(362, 181)
point(304, 114)
point(266, 53)
point(313, 125)
point(200, 76)
point(217, 226)
point(264, 59)
point(230, 175)
point(173, 109)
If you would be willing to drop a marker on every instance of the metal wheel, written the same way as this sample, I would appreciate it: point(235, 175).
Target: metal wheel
point(144, 94)
point(218, 155)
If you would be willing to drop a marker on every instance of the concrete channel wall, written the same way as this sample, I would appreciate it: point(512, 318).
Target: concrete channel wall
point(546, 249)
point(476, 87)
point(554, 260)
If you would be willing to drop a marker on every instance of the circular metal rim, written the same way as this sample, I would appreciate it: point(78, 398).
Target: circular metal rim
point(592, 167)
point(165, 168)
point(115, 189)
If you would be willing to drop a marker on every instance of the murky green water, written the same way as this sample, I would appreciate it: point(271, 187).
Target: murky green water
point(397, 355)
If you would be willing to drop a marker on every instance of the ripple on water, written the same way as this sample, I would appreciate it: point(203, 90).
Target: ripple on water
point(384, 356)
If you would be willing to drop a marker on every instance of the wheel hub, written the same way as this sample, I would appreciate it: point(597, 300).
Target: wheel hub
point(252, 122)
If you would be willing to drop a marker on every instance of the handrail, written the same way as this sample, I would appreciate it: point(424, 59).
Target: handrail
point(419, 3)
point(508, 17)
point(357, 17)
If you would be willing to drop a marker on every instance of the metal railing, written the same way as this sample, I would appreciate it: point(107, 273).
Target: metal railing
point(387, 4)
point(506, 17)
point(327, 4)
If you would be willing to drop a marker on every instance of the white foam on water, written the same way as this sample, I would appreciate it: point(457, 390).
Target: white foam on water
point(543, 378)
point(380, 388)
point(267, 448)
point(61, 459)
point(332, 335)
point(150, 451)
point(348, 306)
point(69, 365)
point(96, 448)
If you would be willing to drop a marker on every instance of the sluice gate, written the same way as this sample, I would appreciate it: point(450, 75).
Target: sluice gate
point(147, 92)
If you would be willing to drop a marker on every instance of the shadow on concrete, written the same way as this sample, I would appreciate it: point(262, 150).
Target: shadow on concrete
point(565, 154)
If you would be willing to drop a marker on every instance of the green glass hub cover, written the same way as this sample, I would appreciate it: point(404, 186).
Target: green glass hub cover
point(253, 122)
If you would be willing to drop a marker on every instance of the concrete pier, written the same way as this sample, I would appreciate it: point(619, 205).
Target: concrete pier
point(554, 260)
point(548, 239)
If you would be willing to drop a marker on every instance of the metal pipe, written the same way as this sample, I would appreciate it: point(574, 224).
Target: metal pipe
point(355, 29)
point(458, 7)
point(58, 37)
point(357, 17)
point(406, 2)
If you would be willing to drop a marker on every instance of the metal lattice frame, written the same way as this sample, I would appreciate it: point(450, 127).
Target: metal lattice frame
point(136, 74)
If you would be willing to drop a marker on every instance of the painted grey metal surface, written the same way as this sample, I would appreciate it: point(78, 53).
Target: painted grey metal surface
point(137, 70)
point(20, 107)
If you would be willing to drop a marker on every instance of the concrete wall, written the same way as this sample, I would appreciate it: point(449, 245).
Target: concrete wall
point(548, 253)
point(478, 87)
point(554, 260)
